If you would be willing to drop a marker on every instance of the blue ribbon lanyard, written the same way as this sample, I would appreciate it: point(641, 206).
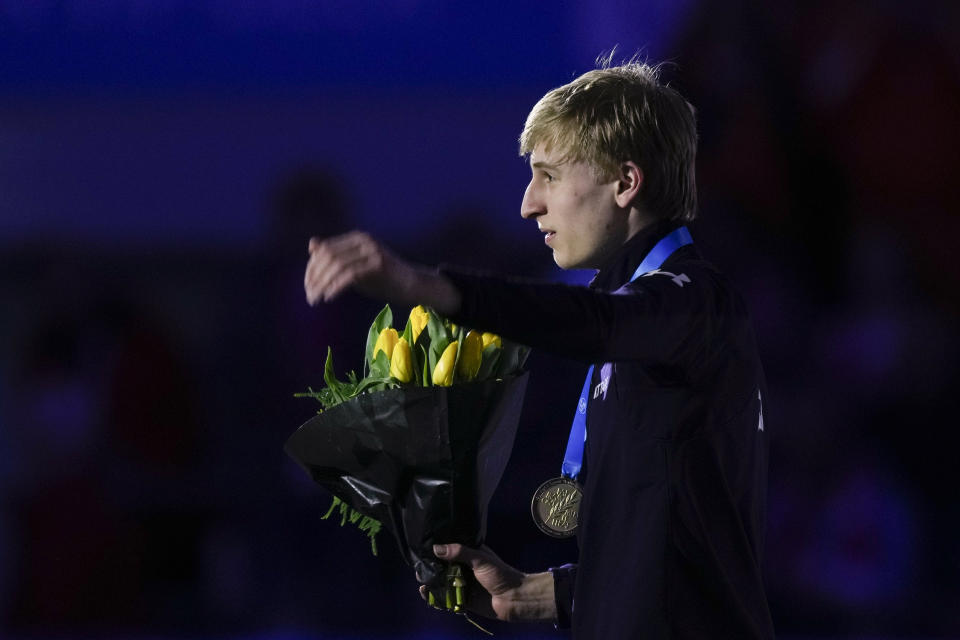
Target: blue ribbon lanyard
point(573, 458)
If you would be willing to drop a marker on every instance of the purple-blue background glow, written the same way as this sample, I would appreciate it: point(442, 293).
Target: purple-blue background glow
point(162, 165)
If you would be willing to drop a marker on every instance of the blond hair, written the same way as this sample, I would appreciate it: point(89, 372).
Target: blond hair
point(618, 113)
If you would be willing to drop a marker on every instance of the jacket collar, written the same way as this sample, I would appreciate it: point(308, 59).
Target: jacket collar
point(620, 267)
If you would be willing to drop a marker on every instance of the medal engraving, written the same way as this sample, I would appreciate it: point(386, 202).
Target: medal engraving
point(556, 507)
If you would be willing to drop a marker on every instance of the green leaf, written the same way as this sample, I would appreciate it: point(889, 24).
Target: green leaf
point(416, 365)
point(422, 348)
point(509, 359)
point(408, 336)
point(439, 336)
point(366, 524)
point(372, 527)
point(491, 355)
point(415, 368)
point(380, 367)
point(408, 332)
point(522, 359)
point(328, 398)
point(427, 371)
point(309, 393)
point(434, 355)
point(383, 384)
point(336, 503)
point(330, 377)
point(336, 391)
point(461, 333)
point(383, 320)
point(370, 382)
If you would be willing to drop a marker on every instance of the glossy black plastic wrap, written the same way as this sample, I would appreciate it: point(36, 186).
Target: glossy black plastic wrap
point(424, 461)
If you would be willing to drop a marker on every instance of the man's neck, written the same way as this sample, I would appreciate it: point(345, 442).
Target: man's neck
point(621, 265)
point(637, 220)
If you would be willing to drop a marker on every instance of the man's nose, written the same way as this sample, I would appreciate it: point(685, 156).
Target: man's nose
point(532, 204)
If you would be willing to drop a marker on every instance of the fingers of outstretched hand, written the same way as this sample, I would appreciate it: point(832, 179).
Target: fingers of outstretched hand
point(339, 262)
point(339, 274)
point(336, 243)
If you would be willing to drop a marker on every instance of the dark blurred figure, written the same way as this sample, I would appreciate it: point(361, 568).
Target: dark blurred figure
point(153, 423)
point(66, 564)
point(310, 202)
point(467, 236)
point(152, 416)
point(104, 431)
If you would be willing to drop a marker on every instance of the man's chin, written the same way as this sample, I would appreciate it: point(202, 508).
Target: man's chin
point(566, 265)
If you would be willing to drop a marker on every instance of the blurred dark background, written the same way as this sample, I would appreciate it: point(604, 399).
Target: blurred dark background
point(162, 165)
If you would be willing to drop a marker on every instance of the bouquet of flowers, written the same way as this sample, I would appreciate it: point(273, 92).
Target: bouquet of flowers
point(419, 443)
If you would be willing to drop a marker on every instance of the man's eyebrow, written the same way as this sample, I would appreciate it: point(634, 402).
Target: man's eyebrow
point(540, 164)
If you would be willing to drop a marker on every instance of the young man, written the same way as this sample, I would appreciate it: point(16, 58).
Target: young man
point(674, 448)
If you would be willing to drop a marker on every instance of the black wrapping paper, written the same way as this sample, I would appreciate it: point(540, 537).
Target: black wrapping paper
point(424, 461)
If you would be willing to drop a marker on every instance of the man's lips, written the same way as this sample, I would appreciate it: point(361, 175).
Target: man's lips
point(548, 235)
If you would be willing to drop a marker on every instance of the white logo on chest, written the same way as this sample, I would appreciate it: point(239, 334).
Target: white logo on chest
point(601, 389)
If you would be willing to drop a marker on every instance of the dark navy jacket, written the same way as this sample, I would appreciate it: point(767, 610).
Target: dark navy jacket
point(675, 464)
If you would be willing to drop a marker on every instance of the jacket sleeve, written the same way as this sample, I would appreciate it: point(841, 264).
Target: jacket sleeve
point(563, 580)
point(654, 320)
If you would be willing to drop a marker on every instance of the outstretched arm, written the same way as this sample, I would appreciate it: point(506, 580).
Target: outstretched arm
point(357, 260)
point(501, 591)
point(664, 320)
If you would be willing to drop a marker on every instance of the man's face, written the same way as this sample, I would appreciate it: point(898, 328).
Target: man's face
point(577, 213)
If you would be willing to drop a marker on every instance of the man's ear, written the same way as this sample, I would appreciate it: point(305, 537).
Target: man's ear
point(629, 183)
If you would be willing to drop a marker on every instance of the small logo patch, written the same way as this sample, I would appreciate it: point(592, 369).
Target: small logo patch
point(678, 279)
point(601, 389)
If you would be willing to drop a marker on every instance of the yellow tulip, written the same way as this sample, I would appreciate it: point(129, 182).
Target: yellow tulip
point(401, 363)
point(386, 341)
point(418, 320)
point(491, 338)
point(443, 372)
point(470, 356)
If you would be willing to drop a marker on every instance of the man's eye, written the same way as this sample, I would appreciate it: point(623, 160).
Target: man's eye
point(548, 177)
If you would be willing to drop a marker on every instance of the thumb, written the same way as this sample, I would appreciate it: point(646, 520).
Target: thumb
point(314, 244)
point(461, 554)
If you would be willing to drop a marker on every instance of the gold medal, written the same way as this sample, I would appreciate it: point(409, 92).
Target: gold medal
point(556, 507)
